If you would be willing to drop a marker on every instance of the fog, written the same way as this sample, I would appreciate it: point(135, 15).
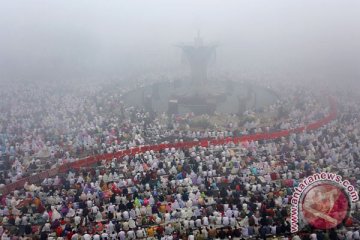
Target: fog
point(253, 135)
point(109, 40)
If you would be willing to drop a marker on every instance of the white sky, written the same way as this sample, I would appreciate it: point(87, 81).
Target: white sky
point(55, 39)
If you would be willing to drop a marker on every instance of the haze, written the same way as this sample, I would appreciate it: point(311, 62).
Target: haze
point(108, 40)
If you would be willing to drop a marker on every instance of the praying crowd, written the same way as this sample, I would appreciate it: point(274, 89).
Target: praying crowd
point(228, 191)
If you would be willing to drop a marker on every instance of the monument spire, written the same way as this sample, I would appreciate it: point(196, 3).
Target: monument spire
point(198, 56)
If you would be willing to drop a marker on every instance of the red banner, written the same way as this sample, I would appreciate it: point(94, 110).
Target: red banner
point(204, 143)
